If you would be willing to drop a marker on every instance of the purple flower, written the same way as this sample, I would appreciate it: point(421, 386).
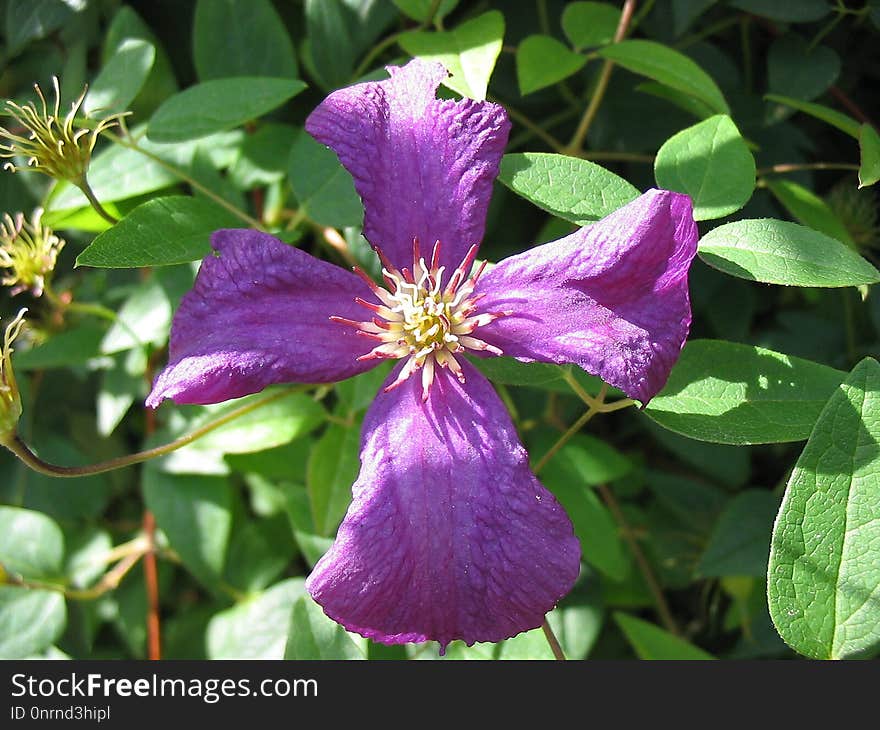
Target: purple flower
point(449, 534)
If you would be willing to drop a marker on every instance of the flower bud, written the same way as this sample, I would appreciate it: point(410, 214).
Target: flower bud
point(28, 252)
point(55, 146)
point(10, 398)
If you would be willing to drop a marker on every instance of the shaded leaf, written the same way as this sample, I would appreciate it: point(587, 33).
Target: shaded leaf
point(652, 642)
point(241, 38)
point(824, 578)
point(740, 394)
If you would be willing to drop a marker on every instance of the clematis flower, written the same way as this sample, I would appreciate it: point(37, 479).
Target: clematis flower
point(449, 535)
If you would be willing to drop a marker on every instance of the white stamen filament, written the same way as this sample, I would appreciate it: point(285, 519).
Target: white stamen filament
point(421, 320)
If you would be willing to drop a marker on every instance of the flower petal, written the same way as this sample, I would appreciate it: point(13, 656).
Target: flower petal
point(612, 297)
point(259, 313)
point(450, 535)
point(424, 167)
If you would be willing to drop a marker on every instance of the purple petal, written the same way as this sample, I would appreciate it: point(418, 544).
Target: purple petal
point(450, 535)
point(424, 167)
point(259, 314)
point(612, 298)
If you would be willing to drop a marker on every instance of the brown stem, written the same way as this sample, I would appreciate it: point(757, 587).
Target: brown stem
point(151, 579)
point(644, 566)
point(555, 647)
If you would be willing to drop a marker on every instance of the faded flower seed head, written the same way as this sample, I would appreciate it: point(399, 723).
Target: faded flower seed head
point(55, 146)
point(28, 252)
point(10, 399)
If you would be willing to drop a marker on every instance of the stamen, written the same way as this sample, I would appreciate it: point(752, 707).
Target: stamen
point(419, 319)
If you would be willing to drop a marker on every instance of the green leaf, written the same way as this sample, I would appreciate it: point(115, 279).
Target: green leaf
point(652, 642)
point(121, 79)
point(830, 116)
point(263, 158)
point(808, 208)
point(278, 422)
point(76, 346)
point(257, 628)
point(740, 543)
point(28, 20)
point(577, 190)
point(740, 394)
point(691, 104)
point(788, 11)
point(218, 105)
point(469, 51)
point(799, 71)
point(144, 318)
point(160, 84)
point(275, 423)
point(328, 30)
point(118, 390)
point(593, 524)
point(323, 187)
point(357, 393)
point(30, 621)
point(589, 24)
point(685, 12)
point(195, 513)
point(824, 577)
point(779, 252)
point(593, 461)
point(542, 61)
point(162, 231)
point(259, 551)
point(710, 162)
point(669, 67)
point(332, 468)
point(241, 38)
point(315, 636)
point(869, 143)
point(418, 10)
point(724, 464)
point(31, 544)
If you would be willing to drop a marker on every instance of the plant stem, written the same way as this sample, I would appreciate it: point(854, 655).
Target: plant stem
point(644, 566)
point(536, 130)
point(23, 451)
point(555, 647)
point(110, 581)
point(151, 582)
point(794, 167)
point(565, 438)
point(86, 189)
point(575, 147)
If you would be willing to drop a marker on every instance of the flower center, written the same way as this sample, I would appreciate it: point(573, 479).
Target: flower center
point(420, 318)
